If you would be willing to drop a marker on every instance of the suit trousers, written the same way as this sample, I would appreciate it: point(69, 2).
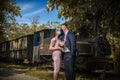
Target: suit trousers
point(69, 65)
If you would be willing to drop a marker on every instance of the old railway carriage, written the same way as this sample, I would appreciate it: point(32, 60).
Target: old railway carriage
point(16, 50)
point(23, 49)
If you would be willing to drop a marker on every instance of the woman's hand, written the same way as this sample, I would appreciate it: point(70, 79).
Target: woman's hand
point(60, 48)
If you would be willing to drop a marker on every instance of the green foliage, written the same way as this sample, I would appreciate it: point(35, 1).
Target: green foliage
point(115, 49)
point(79, 13)
point(8, 11)
point(117, 60)
point(116, 53)
point(52, 24)
point(17, 30)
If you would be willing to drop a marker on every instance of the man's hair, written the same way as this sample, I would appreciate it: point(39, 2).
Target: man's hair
point(64, 24)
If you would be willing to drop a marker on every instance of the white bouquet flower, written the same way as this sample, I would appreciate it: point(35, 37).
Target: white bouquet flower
point(62, 45)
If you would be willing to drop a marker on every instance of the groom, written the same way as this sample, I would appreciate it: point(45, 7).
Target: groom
point(69, 53)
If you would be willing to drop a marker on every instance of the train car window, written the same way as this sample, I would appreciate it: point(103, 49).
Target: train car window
point(42, 37)
point(47, 33)
point(25, 42)
point(3, 47)
point(14, 44)
point(11, 45)
point(17, 45)
point(36, 39)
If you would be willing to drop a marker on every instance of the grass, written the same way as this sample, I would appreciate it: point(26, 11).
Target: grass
point(45, 75)
point(41, 72)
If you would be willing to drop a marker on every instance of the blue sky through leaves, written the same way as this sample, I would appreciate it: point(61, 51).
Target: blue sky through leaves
point(33, 8)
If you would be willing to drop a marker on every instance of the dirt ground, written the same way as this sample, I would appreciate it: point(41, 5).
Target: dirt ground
point(6, 74)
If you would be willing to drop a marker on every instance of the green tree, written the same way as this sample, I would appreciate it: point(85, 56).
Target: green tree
point(16, 30)
point(13, 31)
point(24, 29)
point(8, 11)
point(51, 24)
point(43, 26)
point(82, 12)
point(34, 24)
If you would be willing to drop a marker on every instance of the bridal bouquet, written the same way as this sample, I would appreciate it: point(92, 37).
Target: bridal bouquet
point(62, 45)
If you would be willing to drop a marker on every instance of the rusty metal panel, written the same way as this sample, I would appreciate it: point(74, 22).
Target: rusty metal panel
point(44, 48)
point(84, 47)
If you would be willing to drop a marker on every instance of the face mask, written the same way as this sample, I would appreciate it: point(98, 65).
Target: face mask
point(58, 32)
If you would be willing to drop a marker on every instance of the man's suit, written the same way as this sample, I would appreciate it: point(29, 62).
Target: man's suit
point(69, 56)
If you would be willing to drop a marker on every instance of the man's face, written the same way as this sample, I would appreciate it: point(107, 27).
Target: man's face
point(63, 27)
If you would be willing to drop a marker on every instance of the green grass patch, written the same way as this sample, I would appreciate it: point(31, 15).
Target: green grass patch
point(48, 75)
point(41, 72)
point(45, 75)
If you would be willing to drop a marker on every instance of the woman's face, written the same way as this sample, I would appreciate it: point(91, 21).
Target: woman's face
point(57, 31)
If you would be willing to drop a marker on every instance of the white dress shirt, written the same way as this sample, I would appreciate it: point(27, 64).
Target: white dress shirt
point(66, 49)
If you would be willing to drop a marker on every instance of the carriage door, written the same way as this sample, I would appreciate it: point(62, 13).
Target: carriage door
point(36, 46)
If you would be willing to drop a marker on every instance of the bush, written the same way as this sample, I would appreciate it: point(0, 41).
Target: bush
point(117, 60)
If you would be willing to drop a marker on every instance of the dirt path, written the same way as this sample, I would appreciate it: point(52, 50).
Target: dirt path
point(6, 74)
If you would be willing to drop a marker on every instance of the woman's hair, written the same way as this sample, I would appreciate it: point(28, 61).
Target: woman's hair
point(54, 32)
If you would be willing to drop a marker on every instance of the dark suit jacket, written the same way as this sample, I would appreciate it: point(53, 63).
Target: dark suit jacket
point(71, 43)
